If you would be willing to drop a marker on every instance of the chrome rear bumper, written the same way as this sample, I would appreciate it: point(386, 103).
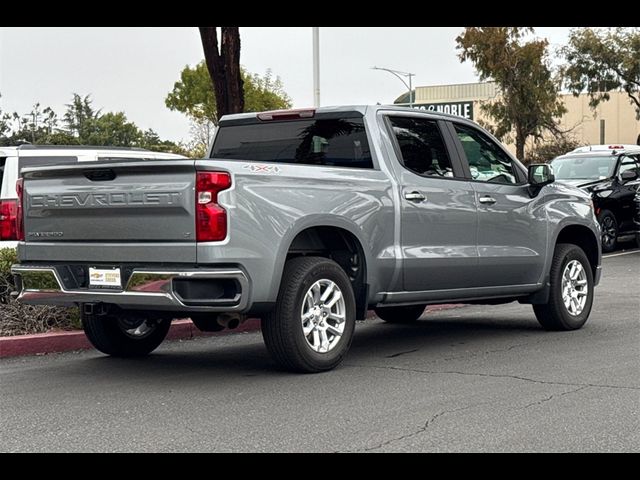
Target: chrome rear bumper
point(145, 289)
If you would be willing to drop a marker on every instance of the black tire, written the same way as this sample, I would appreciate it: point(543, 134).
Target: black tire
point(282, 329)
point(555, 315)
point(107, 333)
point(409, 314)
point(609, 228)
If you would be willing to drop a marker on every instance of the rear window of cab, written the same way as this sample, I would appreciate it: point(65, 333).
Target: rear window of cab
point(337, 142)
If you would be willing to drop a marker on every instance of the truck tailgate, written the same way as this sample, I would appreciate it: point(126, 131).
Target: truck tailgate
point(111, 211)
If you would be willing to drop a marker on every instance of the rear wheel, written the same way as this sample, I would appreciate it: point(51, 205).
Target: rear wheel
point(409, 314)
point(311, 328)
point(609, 228)
point(571, 294)
point(124, 336)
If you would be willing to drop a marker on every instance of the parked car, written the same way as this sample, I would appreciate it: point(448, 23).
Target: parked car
point(307, 219)
point(14, 159)
point(636, 217)
point(611, 174)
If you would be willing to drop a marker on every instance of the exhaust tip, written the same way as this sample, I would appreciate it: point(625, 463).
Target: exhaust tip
point(230, 321)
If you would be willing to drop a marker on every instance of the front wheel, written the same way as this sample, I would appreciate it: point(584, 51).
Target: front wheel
point(571, 294)
point(124, 336)
point(311, 328)
point(609, 228)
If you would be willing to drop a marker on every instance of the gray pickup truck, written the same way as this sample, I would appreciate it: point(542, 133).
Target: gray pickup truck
point(306, 219)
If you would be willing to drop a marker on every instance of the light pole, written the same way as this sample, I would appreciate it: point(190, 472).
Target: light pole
point(399, 75)
point(316, 66)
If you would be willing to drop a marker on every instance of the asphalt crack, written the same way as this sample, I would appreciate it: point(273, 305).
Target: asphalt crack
point(396, 355)
point(487, 352)
point(554, 396)
point(414, 433)
point(492, 375)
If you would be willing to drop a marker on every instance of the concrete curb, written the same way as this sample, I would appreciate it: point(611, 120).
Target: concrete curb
point(58, 342)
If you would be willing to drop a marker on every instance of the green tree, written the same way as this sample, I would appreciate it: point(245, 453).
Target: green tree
point(5, 124)
point(83, 125)
point(603, 60)
point(39, 126)
point(264, 93)
point(528, 104)
point(80, 116)
point(111, 129)
point(150, 140)
point(193, 94)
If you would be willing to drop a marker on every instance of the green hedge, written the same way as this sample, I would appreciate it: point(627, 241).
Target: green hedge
point(18, 319)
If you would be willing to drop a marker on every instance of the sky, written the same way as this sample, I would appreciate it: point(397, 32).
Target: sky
point(132, 69)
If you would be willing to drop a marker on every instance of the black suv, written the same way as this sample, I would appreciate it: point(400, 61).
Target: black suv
point(612, 175)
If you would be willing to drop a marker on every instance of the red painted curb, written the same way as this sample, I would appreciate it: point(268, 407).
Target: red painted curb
point(57, 342)
point(42, 343)
point(444, 306)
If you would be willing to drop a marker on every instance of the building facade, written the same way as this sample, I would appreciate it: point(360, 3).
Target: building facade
point(611, 122)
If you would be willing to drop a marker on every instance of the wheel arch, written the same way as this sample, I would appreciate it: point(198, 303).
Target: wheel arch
point(583, 237)
point(334, 239)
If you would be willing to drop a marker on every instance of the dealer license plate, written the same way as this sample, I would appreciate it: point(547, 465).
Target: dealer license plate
point(105, 278)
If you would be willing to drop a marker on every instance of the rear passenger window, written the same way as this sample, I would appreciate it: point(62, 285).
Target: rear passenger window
point(340, 142)
point(422, 147)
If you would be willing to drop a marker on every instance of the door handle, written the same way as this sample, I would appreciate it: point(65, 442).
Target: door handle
point(414, 196)
point(487, 200)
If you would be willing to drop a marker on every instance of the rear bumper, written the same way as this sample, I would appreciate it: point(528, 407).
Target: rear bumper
point(145, 290)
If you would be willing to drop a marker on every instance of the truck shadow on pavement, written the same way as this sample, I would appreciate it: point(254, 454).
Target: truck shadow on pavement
point(206, 360)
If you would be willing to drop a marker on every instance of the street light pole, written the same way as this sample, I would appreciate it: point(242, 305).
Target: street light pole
point(316, 66)
point(399, 75)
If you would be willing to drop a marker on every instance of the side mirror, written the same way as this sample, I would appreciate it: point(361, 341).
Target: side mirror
point(541, 175)
point(629, 175)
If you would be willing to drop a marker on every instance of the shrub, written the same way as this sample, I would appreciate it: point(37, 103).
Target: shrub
point(7, 258)
point(18, 319)
point(548, 150)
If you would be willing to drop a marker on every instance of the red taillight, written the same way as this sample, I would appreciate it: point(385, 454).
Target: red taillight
point(211, 218)
point(20, 209)
point(8, 220)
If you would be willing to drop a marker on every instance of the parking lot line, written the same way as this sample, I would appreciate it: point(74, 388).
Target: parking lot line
point(621, 254)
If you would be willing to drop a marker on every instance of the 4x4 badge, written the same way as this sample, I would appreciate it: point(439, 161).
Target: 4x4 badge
point(257, 168)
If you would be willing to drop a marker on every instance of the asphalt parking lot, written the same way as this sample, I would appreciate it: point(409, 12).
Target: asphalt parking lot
point(468, 379)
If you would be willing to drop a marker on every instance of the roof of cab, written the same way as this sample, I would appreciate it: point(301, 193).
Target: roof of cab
point(361, 109)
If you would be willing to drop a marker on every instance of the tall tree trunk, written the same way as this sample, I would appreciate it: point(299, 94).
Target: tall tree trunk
point(231, 56)
point(521, 139)
point(224, 67)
